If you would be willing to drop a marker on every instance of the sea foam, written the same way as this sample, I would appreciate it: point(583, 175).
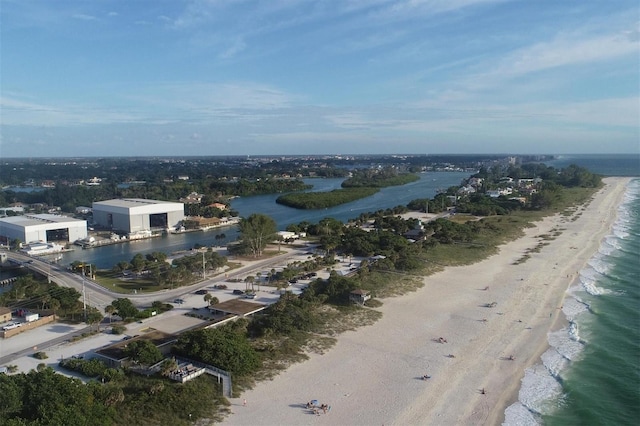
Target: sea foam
point(518, 414)
point(541, 389)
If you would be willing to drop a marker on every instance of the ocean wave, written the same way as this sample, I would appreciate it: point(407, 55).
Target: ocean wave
point(599, 263)
point(519, 415)
point(554, 362)
point(591, 288)
point(588, 279)
point(621, 227)
point(573, 306)
point(610, 244)
point(567, 344)
point(539, 390)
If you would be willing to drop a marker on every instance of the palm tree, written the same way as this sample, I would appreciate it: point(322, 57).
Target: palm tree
point(109, 309)
point(259, 278)
point(249, 280)
point(207, 298)
point(94, 317)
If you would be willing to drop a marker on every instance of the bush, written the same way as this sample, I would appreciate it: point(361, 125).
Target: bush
point(118, 329)
point(373, 303)
point(40, 355)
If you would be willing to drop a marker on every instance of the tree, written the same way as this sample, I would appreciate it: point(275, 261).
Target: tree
point(125, 308)
point(109, 310)
point(211, 300)
point(249, 282)
point(46, 299)
point(168, 365)
point(222, 347)
point(258, 279)
point(55, 305)
point(257, 231)
point(138, 262)
point(15, 244)
point(94, 317)
point(143, 351)
point(65, 298)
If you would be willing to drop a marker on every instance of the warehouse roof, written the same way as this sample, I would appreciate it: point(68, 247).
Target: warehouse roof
point(38, 219)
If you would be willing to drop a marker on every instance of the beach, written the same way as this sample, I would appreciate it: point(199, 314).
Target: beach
point(373, 375)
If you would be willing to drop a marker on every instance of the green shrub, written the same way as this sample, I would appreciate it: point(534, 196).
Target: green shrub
point(118, 329)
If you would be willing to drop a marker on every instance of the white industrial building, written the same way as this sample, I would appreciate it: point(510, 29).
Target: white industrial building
point(42, 227)
point(136, 216)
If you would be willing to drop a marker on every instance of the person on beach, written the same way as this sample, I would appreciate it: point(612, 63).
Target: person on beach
point(482, 391)
point(244, 402)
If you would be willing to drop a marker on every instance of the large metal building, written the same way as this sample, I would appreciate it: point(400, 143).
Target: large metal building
point(136, 215)
point(42, 227)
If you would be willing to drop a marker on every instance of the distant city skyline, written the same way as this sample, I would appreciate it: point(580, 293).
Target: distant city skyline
point(314, 77)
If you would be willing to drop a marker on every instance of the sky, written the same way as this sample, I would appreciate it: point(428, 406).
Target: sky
point(305, 77)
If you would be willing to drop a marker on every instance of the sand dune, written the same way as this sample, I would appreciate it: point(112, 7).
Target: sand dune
point(372, 376)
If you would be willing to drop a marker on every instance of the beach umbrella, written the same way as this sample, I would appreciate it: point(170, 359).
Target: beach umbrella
point(315, 402)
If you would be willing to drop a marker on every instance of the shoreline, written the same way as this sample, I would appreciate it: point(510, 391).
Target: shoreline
point(372, 375)
point(562, 322)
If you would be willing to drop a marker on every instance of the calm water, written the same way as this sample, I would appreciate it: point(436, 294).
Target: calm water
point(591, 373)
point(607, 165)
point(426, 187)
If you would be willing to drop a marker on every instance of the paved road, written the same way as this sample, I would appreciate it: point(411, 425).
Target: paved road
point(99, 296)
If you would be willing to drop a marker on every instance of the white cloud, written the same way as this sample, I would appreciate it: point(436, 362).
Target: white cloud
point(83, 17)
point(20, 113)
point(565, 51)
point(238, 46)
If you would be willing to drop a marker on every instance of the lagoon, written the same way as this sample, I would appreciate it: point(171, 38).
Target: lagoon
point(427, 187)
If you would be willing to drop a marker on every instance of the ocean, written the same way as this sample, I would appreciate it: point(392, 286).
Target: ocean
point(591, 373)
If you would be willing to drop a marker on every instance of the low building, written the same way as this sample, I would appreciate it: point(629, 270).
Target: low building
point(236, 307)
point(195, 222)
point(359, 296)
point(40, 249)
point(115, 355)
point(5, 314)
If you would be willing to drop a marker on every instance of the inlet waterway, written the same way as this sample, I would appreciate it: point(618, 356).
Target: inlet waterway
point(106, 256)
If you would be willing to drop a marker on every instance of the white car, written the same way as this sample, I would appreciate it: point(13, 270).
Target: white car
point(11, 326)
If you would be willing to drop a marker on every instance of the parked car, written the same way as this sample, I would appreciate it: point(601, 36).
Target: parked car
point(11, 326)
point(178, 301)
point(236, 291)
point(203, 291)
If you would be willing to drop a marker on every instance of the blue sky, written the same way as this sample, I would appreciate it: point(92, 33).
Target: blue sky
point(236, 77)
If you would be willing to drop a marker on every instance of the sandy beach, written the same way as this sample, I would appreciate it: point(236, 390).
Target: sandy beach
point(373, 375)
